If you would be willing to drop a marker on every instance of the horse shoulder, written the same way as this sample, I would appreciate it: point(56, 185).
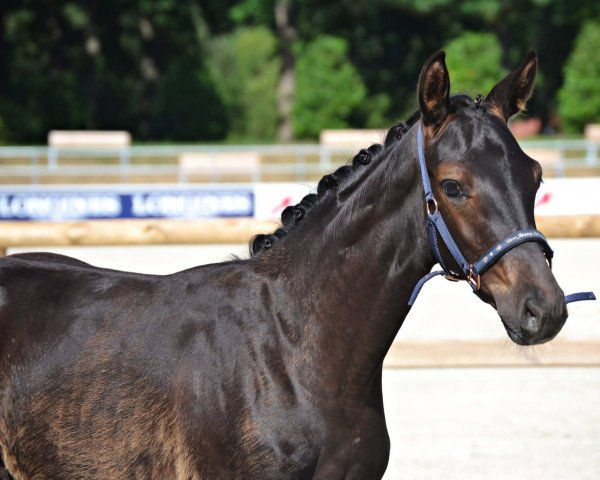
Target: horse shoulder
point(243, 353)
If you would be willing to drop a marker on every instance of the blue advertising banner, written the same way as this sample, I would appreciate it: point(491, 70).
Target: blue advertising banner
point(83, 204)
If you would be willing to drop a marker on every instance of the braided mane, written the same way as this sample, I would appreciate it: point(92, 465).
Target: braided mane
point(293, 214)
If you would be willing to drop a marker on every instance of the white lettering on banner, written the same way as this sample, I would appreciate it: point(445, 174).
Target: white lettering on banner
point(52, 206)
point(173, 205)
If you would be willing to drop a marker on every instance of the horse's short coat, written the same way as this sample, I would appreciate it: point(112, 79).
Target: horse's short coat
point(268, 368)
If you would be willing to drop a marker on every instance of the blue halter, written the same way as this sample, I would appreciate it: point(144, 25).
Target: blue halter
point(472, 271)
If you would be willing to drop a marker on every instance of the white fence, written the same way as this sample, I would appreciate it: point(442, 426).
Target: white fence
point(294, 162)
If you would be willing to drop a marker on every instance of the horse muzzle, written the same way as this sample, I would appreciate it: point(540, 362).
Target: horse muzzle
point(537, 318)
point(528, 299)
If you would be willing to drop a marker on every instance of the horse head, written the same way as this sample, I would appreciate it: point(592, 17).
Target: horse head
point(485, 187)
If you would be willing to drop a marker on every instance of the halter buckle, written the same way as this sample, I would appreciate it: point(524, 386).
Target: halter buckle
point(453, 277)
point(431, 206)
point(473, 278)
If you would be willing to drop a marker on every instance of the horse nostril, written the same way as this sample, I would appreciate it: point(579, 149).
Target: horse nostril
point(533, 317)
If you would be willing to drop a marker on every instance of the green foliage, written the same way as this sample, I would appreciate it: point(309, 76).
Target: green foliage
point(373, 111)
point(246, 66)
point(474, 61)
point(207, 69)
point(75, 15)
point(253, 11)
point(36, 96)
point(188, 107)
point(106, 65)
point(2, 133)
point(579, 97)
point(328, 87)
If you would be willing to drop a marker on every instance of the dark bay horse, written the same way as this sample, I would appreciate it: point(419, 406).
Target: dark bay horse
point(270, 368)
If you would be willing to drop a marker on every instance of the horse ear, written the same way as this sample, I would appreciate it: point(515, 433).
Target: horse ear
point(434, 90)
point(510, 95)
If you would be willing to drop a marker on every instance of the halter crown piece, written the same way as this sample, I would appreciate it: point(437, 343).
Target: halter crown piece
point(472, 271)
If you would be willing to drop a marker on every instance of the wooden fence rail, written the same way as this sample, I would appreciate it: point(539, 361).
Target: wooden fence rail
point(560, 352)
point(205, 231)
point(571, 226)
point(131, 232)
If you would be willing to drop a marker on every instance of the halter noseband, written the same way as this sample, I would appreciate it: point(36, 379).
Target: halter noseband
point(472, 271)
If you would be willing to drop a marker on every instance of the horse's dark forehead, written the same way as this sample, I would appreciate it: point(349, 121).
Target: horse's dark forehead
point(479, 139)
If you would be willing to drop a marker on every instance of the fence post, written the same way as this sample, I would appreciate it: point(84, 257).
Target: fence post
point(52, 158)
point(591, 157)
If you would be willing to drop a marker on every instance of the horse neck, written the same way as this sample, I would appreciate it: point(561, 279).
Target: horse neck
point(351, 268)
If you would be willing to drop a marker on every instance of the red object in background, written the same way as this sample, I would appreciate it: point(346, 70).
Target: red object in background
point(286, 202)
point(544, 199)
point(528, 127)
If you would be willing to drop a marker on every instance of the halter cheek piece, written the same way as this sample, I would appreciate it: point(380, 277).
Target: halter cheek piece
point(472, 271)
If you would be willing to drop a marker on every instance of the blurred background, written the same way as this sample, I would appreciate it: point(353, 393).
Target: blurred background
point(277, 70)
point(155, 135)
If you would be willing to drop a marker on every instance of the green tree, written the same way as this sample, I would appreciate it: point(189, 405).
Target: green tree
point(188, 107)
point(328, 87)
point(475, 63)
point(2, 133)
point(106, 65)
point(579, 97)
point(143, 65)
point(246, 66)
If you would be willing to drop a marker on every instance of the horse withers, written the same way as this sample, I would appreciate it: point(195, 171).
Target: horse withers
point(270, 367)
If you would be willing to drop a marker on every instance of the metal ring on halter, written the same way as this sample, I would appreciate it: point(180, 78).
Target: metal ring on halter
point(473, 278)
point(431, 206)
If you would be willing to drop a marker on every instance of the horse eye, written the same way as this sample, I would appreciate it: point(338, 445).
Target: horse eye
point(451, 188)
